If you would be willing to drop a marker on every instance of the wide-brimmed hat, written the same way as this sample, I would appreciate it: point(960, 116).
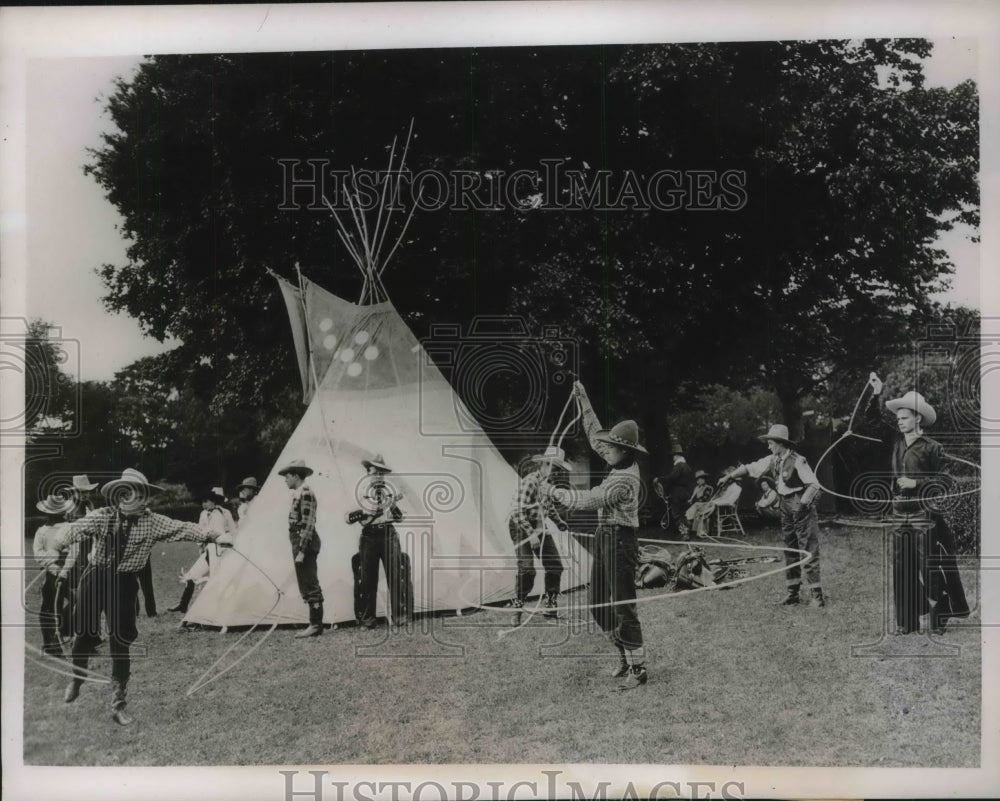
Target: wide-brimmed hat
point(778, 433)
point(676, 449)
point(378, 463)
point(83, 483)
point(249, 483)
point(130, 478)
point(624, 434)
point(915, 402)
point(296, 466)
point(700, 474)
point(556, 456)
point(54, 505)
point(769, 479)
point(214, 494)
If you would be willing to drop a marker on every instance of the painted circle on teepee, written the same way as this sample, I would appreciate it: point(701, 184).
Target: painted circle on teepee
point(325, 324)
point(354, 369)
point(361, 337)
point(347, 355)
point(329, 342)
point(371, 353)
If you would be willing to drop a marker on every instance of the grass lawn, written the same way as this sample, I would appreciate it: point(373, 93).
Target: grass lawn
point(734, 679)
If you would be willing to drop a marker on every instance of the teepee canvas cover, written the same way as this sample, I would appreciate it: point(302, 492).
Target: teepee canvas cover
point(377, 392)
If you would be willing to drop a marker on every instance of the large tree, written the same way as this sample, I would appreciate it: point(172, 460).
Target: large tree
point(852, 170)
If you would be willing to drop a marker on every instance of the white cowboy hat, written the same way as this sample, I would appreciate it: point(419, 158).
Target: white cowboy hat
point(556, 456)
point(378, 463)
point(215, 494)
point(778, 433)
point(130, 478)
point(915, 402)
point(54, 505)
point(83, 484)
point(296, 466)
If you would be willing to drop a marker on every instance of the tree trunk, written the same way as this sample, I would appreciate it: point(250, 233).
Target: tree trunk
point(791, 409)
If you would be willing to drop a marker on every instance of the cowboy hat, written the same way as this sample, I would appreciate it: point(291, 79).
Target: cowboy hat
point(676, 449)
point(214, 494)
point(378, 463)
point(83, 484)
point(557, 456)
point(778, 433)
point(297, 466)
point(769, 479)
point(625, 435)
point(700, 474)
point(249, 483)
point(130, 478)
point(915, 402)
point(54, 505)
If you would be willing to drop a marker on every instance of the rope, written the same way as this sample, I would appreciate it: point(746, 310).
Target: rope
point(89, 675)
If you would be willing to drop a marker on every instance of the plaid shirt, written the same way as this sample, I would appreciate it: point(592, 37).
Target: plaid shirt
point(302, 521)
point(143, 529)
point(531, 508)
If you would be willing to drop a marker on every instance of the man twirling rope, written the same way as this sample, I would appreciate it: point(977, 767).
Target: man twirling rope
point(798, 489)
point(923, 563)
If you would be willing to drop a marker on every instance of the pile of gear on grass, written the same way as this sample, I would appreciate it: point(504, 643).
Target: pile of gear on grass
point(689, 570)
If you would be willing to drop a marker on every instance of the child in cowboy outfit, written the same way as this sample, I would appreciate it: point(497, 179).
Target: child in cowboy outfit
point(616, 547)
point(527, 530)
point(214, 517)
point(797, 489)
point(305, 543)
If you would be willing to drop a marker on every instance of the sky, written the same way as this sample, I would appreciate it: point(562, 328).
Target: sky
point(72, 227)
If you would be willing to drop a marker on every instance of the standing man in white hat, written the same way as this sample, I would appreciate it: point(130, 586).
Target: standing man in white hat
point(616, 546)
point(921, 531)
point(527, 526)
point(305, 543)
point(123, 532)
point(798, 489)
point(379, 542)
point(57, 558)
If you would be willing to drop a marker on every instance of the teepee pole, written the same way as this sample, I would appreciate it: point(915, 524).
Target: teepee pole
point(376, 240)
point(402, 166)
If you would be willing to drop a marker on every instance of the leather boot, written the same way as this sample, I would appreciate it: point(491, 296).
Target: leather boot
point(118, 693)
point(515, 619)
point(622, 669)
point(817, 597)
point(551, 605)
point(72, 690)
point(182, 605)
point(792, 598)
point(315, 627)
point(636, 677)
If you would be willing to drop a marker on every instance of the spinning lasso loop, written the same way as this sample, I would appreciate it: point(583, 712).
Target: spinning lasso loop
point(55, 664)
point(851, 433)
point(202, 680)
point(806, 556)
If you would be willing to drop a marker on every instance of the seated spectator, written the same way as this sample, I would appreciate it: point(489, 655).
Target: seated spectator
point(769, 503)
point(699, 509)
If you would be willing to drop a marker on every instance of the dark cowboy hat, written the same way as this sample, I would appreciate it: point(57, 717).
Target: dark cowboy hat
point(249, 483)
point(769, 479)
point(378, 463)
point(676, 449)
point(298, 467)
point(214, 494)
point(778, 433)
point(625, 435)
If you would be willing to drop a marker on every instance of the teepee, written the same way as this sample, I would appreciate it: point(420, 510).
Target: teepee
point(372, 389)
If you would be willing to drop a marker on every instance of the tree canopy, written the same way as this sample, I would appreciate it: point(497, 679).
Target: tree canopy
point(811, 181)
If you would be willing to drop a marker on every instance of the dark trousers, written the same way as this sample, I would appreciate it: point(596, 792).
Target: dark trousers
point(551, 562)
point(380, 544)
point(308, 579)
point(145, 577)
point(104, 590)
point(612, 578)
point(800, 529)
point(54, 616)
point(924, 569)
